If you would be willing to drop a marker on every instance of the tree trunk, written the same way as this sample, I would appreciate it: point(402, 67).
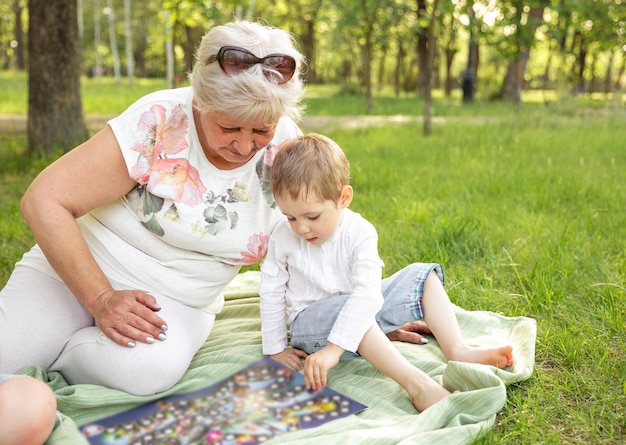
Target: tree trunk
point(308, 48)
point(581, 64)
point(398, 69)
point(18, 35)
point(55, 112)
point(422, 50)
point(113, 43)
point(367, 72)
point(97, 38)
point(514, 78)
point(130, 61)
point(380, 78)
point(169, 51)
point(449, 53)
point(428, 97)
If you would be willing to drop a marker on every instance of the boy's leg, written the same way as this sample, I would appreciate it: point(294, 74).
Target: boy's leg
point(417, 293)
point(382, 354)
point(403, 293)
point(440, 318)
point(27, 410)
point(311, 328)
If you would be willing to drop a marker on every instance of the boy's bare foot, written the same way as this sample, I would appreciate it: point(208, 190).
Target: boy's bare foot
point(426, 393)
point(500, 357)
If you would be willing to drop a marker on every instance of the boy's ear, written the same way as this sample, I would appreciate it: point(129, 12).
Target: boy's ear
point(346, 196)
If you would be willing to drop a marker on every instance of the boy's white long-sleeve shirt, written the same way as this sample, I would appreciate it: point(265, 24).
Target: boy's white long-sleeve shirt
point(296, 273)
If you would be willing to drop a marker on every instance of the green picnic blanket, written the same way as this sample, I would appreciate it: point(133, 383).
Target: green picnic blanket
point(390, 418)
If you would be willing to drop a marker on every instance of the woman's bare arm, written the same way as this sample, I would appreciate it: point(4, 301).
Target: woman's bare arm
point(90, 175)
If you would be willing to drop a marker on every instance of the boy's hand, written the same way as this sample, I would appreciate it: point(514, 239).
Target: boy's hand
point(290, 357)
point(318, 364)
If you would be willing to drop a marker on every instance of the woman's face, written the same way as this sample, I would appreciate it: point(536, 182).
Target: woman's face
point(229, 143)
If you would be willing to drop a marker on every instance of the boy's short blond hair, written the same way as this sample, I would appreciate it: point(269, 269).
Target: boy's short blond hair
point(312, 165)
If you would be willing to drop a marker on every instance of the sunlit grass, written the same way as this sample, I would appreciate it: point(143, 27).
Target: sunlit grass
point(106, 97)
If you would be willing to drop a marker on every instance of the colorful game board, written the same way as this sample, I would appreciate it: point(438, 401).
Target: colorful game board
point(259, 402)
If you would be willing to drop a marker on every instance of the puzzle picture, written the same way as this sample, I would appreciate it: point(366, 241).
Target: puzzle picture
point(262, 401)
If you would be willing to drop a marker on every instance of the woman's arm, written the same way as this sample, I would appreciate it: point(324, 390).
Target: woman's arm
point(90, 175)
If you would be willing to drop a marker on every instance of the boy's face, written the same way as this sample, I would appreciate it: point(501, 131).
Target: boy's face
point(314, 220)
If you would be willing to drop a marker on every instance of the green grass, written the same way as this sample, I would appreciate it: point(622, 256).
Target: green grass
point(105, 97)
point(525, 211)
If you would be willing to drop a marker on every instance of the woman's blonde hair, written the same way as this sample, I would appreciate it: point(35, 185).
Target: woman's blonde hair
point(310, 166)
point(248, 95)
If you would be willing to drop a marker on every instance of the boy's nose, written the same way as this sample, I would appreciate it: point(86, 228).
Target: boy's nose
point(303, 228)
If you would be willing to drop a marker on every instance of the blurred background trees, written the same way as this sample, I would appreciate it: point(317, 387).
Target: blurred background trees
point(494, 48)
point(578, 46)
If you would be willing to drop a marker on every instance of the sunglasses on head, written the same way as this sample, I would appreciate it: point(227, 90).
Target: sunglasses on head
point(234, 60)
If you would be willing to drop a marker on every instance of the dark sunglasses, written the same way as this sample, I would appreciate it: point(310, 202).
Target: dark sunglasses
point(233, 60)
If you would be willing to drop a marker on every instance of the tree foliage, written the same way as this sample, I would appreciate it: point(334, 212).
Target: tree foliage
point(366, 45)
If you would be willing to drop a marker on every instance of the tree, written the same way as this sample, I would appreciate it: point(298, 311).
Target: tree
point(524, 22)
point(55, 112)
point(423, 56)
point(130, 60)
point(110, 12)
point(19, 35)
point(97, 38)
point(306, 15)
point(428, 77)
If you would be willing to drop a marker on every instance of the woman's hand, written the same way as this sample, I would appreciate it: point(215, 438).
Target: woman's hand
point(290, 357)
point(128, 316)
point(410, 333)
point(318, 364)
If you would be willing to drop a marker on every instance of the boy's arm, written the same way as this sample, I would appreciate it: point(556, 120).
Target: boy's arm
point(290, 357)
point(366, 299)
point(319, 363)
point(274, 277)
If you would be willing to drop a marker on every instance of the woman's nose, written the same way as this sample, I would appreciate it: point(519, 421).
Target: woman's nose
point(244, 145)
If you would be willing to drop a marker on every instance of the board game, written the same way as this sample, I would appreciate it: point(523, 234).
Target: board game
point(263, 400)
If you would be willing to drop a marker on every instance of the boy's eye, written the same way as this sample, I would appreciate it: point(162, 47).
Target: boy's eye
point(313, 218)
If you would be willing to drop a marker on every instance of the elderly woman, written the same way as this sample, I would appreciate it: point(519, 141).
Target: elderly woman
point(140, 228)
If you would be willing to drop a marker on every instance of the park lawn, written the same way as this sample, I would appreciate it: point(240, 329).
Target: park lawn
point(526, 212)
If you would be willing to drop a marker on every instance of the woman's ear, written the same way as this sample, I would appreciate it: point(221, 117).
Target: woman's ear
point(346, 196)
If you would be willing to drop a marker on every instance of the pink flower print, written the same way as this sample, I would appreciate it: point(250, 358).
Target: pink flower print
point(172, 178)
point(177, 180)
point(257, 246)
point(162, 137)
point(271, 152)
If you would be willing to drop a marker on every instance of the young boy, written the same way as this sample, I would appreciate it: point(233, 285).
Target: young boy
point(323, 277)
point(27, 410)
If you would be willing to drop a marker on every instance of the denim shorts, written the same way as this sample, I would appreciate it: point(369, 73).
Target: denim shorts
point(402, 292)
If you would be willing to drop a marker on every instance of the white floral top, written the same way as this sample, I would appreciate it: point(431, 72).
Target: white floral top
point(187, 227)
